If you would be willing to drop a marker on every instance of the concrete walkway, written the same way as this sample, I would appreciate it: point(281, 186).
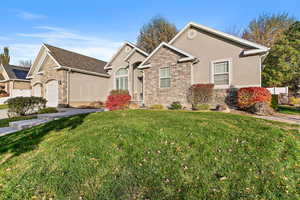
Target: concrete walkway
point(44, 118)
point(292, 119)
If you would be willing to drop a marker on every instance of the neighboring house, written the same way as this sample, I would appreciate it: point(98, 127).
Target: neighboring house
point(67, 78)
point(124, 72)
point(13, 80)
point(198, 54)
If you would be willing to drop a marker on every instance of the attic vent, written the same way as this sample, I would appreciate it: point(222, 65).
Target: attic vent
point(127, 49)
point(191, 34)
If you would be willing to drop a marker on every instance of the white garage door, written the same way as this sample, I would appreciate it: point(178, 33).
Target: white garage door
point(52, 93)
point(37, 90)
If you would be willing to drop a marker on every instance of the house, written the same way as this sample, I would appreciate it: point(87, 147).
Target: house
point(67, 78)
point(124, 72)
point(198, 54)
point(13, 80)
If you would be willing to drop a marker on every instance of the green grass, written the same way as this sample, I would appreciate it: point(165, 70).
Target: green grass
point(5, 122)
point(145, 154)
point(289, 110)
point(3, 106)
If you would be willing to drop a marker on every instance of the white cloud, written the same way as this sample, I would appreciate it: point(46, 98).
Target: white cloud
point(96, 47)
point(30, 16)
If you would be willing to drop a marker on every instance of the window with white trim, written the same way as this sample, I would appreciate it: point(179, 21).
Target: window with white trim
point(221, 73)
point(122, 79)
point(165, 77)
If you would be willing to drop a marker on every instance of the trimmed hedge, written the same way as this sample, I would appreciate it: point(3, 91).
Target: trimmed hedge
point(274, 102)
point(247, 97)
point(21, 106)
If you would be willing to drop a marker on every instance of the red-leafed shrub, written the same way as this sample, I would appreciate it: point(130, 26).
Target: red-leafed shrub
point(3, 93)
point(247, 97)
point(118, 100)
point(200, 94)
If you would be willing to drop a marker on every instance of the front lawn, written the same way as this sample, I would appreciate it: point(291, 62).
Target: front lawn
point(5, 122)
point(289, 110)
point(143, 154)
point(3, 106)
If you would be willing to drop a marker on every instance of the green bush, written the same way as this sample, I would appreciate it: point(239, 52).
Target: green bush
point(176, 105)
point(157, 107)
point(21, 106)
point(48, 110)
point(202, 107)
point(274, 101)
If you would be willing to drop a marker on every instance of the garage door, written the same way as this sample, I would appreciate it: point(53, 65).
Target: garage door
point(37, 90)
point(52, 93)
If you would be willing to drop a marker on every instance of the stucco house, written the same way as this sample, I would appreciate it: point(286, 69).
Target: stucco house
point(124, 72)
point(67, 78)
point(198, 54)
point(13, 80)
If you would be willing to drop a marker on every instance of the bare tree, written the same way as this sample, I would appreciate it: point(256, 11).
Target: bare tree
point(267, 28)
point(235, 30)
point(153, 33)
point(25, 63)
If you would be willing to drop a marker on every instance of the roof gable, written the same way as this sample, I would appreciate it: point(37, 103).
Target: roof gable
point(257, 48)
point(118, 52)
point(186, 56)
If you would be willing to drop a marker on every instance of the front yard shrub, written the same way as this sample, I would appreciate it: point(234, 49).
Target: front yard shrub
point(274, 102)
point(176, 105)
point(156, 107)
point(247, 97)
point(202, 107)
point(118, 100)
point(200, 94)
point(48, 110)
point(21, 106)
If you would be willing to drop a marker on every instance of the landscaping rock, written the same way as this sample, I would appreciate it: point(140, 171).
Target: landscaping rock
point(261, 108)
point(222, 108)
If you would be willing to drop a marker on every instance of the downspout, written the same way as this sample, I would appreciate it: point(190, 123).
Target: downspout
point(68, 86)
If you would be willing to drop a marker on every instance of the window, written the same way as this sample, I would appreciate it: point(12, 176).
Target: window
point(221, 73)
point(165, 77)
point(122, 79)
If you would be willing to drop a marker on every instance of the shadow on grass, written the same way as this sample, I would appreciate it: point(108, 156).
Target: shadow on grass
point(27, 140)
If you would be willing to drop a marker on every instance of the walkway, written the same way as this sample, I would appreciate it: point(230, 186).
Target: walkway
point(44, 118)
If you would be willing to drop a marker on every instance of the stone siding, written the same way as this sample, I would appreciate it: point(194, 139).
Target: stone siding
point(180, 79)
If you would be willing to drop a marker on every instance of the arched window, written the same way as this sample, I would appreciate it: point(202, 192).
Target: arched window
point(122, 79)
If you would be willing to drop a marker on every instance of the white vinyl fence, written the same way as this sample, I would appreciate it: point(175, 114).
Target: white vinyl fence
point(279, 90)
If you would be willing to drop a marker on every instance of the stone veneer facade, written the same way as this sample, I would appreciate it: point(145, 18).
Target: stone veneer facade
point(52, 74)
point(180, 79)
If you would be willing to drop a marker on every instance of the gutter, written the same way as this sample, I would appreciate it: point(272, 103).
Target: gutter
point(82, 71)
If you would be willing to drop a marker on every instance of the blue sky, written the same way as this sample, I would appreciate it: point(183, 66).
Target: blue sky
point(96, 28)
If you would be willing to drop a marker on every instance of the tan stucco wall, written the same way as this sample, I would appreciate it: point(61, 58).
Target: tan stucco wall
point(208, 48)
point(22, 85)
point(85, 88)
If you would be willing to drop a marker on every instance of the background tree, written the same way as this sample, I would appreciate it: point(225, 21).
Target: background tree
point(25, 63)
point(153, 33)
point(267, 28)
point(282, 66)
point(4, 57)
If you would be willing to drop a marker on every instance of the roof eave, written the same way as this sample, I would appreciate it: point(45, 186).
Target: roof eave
point(82, 71)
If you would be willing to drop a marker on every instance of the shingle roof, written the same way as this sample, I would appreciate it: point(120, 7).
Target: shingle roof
point(74, 60)
point(16, 72)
